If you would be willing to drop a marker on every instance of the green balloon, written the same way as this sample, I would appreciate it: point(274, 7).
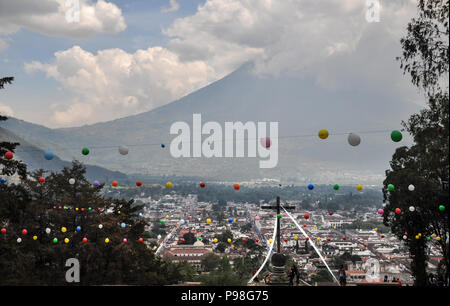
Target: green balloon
point(336, 187)
point(396, 136)
point(428, 238)
point(390, 233)
point(85, 151)
point(391, 187)
point(279, 216)
point(441, 207)
point(200, 238)
point(55, 240)
point(163, 222)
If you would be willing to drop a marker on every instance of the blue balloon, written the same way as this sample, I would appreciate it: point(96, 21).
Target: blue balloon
point(123, 225)
point(49, 155)
point(230, 220)
point(310, 186)
point(78, 228)
point(2, 180)
point(163, 145)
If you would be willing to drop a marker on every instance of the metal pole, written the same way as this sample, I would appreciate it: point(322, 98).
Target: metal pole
point(278, 226)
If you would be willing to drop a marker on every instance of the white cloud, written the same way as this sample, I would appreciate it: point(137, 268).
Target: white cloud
point(174, 6)
point(58, 17)
point(6, 110)
point(114, 83)
point(328, 39)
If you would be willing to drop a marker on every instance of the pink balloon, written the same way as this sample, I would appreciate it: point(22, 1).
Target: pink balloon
point(380, 211)
point(266, 142)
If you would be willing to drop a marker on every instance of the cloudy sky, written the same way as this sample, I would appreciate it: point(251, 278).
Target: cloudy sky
point(123, 57)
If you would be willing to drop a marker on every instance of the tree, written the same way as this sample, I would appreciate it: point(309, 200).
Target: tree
point(425, 164)
point(210, 262)
point(189, 238)
point(223, 276)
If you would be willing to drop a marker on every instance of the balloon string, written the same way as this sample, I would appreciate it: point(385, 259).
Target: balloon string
point(225, 140)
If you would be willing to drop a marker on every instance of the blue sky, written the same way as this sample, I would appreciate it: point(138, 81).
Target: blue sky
point(118, 61)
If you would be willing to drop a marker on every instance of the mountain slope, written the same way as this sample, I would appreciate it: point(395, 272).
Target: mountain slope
point(299, 105)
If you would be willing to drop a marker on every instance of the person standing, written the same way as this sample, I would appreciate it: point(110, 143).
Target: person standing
point(342, 276)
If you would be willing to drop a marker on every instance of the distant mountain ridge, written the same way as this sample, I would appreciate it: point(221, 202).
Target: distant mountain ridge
point(300, 106)
point(34, 158)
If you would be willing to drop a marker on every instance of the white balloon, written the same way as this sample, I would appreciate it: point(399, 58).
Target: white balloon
point(123, 150)
point(72, 181)
point(405, 237)
point(159, 237)
point(100, 226)
point(384, 204)
point(19, 240)
point(353, 139)
point(47, 230)
point(411, 187)
point(412, 208)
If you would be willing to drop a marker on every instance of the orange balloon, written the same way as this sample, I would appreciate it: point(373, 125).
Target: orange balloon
point(114, 183)
point(236, 186)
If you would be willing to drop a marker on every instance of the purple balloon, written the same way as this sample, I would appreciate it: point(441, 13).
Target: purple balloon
point(96, 183)
point(266, 142)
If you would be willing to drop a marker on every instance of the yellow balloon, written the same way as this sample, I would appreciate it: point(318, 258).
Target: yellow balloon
point(318, 239)
point(118, 212)
point(107, 240)
point(334, 227)
point(66, 240)
point(323, 134)
point(438, 238)
point(63, 229)
point(376, 228)
point(270, 240)
point(229, 240)
point(169, 184)
point(295, 237)
point(234, 220)
point(420, 235)
point(76, 209)
point(359, 187)
point(315, 226)
point(208, 221)
point(215, 240)
point(167, 216)
point(34, 237)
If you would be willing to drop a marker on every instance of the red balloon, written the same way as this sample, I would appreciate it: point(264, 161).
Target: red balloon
point(114, 183)
point(266, 142)
point(182, 240)
point(41, 179)
point(54, 207)
point(331, 213)
point(189, 217)
point(202, 184)
point(304, 225)
point(244, 240)
point(24, 232)
point(382, 236)
point(329, 239)
point(59, 207)
point(140, 239)
point(138, 183)
point(398, 211)
point(306, 216)
point(3, 230)
point(257, 240)
point(285, 240)
point(82, 208)
point(84, 239)
point(307, 238)
point(236, 186)
point(406, 234)
point(343, 238)
point(99, 209)
point(9, 155)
